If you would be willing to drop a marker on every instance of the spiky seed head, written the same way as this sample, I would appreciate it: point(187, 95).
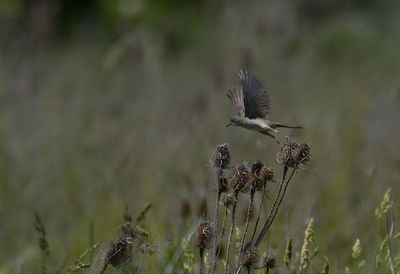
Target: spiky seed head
point(228, 199)
point(250, 256)
point(120, 252)
point(203, 234)
point(257, 167)
point(302, 154)
point(240, 177)
point(286, 154)
point(221, 157)
point(184, 209)
point(255, 180)
point(269, 261)
point(267, 174)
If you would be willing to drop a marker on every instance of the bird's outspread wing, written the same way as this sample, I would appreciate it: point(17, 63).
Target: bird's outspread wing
point(256, 99)
point(236, 97)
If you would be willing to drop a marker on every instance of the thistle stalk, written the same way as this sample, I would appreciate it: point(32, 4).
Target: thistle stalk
point(231, 231)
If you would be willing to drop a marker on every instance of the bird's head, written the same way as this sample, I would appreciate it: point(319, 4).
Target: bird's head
point(234, 121)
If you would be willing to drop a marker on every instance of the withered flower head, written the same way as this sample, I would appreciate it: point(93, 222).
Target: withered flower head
point(286, 154)
point(203, 234)
point(240, 177)
point(267, 174)
point(302, 153)
point(221, 157)
point(269, 261)
point(120, 252)
point(256, 180)
point(250, 256)
point(228, 199)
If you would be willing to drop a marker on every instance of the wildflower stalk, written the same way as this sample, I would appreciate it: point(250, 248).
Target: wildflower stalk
point(231, 231)
point(283, 195)
point(220, 179)
point(265, 227)
point(201, 260)
point(218, 251)
point(390, 226)
point(259, 212)
point(247, 222)
point(142, 262)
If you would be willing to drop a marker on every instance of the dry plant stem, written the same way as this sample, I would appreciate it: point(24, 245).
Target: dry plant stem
point(264, 229)
point(201, 260)
point(221, 241)
point(249, 209)
point(390, 226)
point(239, 269)
point(219, 179)
point(231, 231)
point(259, 212)
point(281, 199)
point(141, 264)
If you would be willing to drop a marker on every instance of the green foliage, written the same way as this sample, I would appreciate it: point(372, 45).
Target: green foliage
point(384, 206)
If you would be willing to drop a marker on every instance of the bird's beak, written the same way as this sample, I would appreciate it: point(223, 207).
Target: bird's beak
point(229, 124)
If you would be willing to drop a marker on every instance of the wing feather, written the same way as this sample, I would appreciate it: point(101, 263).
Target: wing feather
point(236, 97)
point(255, 97)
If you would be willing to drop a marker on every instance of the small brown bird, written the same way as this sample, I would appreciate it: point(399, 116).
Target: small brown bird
point(253, 105)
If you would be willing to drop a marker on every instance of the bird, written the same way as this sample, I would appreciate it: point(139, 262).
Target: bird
point(253, 105)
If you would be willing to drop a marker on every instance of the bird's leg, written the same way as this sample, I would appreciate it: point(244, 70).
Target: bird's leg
point(270, 135)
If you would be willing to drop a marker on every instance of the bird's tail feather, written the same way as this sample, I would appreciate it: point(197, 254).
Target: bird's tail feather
point(275, 125)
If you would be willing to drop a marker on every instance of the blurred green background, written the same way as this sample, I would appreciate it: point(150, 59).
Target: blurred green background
point(107, 103)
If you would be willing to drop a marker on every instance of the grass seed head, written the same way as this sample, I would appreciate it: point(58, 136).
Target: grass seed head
point(221, 157)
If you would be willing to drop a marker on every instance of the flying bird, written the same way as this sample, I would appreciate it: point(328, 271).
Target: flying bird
point(253, 105)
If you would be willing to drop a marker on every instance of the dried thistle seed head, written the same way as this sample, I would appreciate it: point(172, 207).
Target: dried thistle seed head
point(302, 154)
point(184, 209)
point(255, 180)
point(250, 256)
point(120, 252)
point(223, 185)
point(267, 174)
point(203, 234)
point(286, 154)
point(221, 157)
point(228, 199)
point(257, 167)
point(240, 177)
point(202, 208)
point(269, 261)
